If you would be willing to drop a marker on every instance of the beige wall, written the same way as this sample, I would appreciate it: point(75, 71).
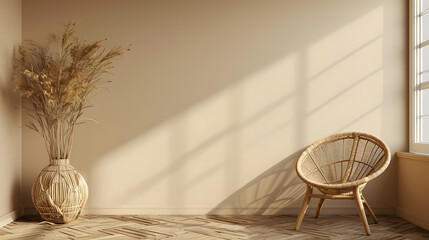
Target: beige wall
point(10, 113)
point(216, 99)
point(413, 183)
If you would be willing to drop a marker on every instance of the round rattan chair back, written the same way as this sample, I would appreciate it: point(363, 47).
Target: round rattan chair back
point(340, 166)
point(338, 163)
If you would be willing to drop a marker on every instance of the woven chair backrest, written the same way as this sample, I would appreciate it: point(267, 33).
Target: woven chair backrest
point(343, 158)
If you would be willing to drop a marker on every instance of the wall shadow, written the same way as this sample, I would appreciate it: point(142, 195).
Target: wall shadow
point(268, 194)
point(10, 132)
point(184, 55)
point(191, 53)
point(10, 100)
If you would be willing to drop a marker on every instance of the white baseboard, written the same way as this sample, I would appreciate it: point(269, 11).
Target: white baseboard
point(347, 210)
point(10, 217)
point(421, 221)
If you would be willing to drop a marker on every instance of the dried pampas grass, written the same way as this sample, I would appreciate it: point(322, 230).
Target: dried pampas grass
point(58, 81)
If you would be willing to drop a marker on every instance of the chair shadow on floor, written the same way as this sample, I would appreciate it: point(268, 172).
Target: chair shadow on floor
point(270, 193)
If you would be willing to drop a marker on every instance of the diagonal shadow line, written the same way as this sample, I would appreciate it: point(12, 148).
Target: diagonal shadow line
point(360, 117)
point(276, 183)
point(185, 157)
point(275, 193)
point(276, 189)
point(254, 118)
point(178, 162)
point(344, 91)
point(345, 57)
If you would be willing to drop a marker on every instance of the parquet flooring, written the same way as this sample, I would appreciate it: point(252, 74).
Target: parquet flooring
point(210, 227)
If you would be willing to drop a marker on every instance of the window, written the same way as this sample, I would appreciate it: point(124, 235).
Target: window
point(419, 76)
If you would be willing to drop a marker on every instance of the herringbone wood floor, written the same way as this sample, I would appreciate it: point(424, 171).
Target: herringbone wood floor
point(210, 227)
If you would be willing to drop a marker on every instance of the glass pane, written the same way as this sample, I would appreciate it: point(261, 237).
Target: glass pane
point(425, 130)
point(425, 76)
point(425, 27)
point(425, 102)
point(425, 4)
point(425, 58)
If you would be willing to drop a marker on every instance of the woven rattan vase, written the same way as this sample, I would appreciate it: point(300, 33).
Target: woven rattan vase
point(59, 192)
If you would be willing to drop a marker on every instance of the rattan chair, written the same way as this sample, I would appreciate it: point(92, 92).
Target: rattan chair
point(340, 166)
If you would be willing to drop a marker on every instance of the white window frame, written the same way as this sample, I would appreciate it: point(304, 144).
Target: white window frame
point(416, 85)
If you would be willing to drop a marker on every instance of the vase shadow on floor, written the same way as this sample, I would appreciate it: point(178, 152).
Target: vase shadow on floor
point(271, 193)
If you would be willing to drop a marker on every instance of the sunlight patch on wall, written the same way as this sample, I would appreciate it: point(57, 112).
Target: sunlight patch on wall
point(347, 111)
point(345, 78)
point(221, 141)
point(332, 49)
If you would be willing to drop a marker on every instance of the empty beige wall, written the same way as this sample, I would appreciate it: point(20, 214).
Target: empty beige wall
point(216, 99)
point(10, 113)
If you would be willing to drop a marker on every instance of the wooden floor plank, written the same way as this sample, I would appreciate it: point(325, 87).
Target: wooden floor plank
point(210, 227)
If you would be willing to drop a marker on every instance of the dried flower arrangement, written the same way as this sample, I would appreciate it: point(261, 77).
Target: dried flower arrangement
point(57, 83)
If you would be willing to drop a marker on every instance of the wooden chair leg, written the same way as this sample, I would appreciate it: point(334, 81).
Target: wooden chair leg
point(304, 206)
point(368, 208)
point(361, 210)
point(319, 207)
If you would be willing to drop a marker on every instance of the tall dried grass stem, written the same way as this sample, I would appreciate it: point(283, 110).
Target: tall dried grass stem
point(57, 82)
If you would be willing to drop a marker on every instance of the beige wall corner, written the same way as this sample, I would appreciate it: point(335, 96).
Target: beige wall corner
point(413, 185)
point(10, 114)
point(216, 99)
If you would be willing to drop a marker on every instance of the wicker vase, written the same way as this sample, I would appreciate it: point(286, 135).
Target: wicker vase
point(59, 192)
